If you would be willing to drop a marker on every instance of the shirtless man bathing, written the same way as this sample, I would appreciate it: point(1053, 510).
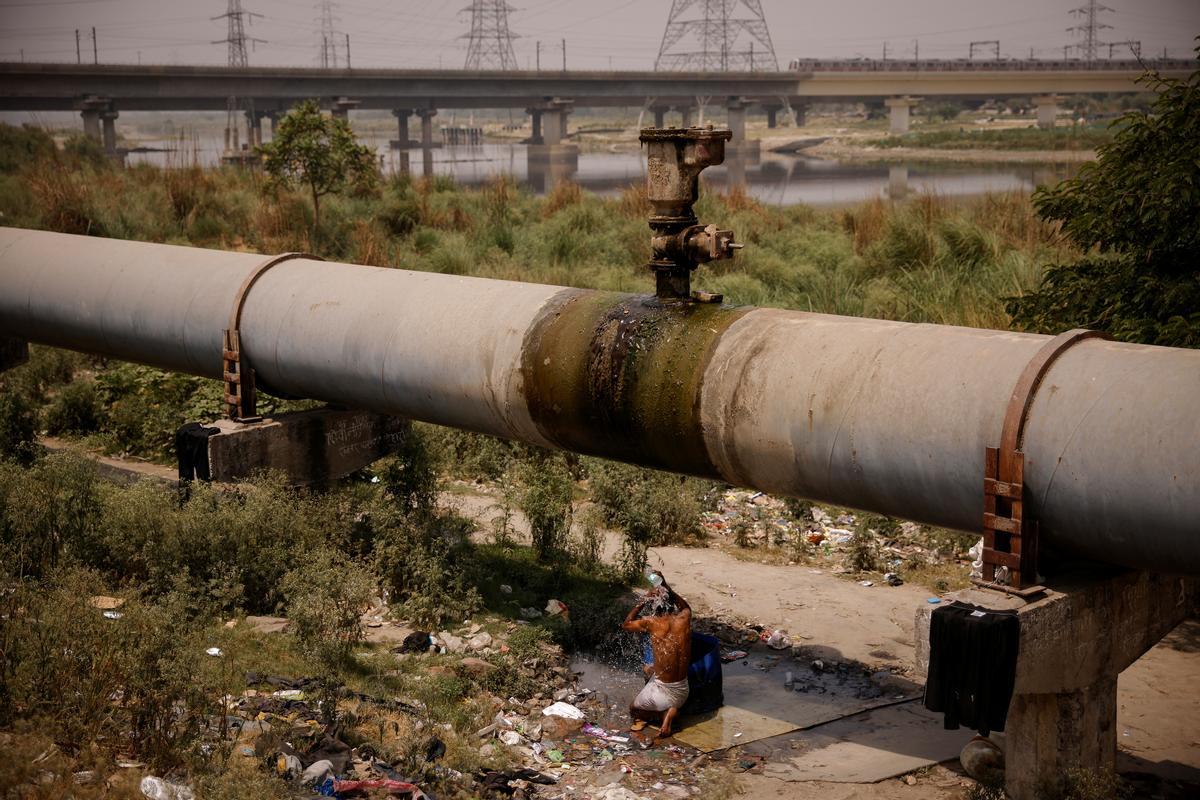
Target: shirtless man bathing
point(669, 624)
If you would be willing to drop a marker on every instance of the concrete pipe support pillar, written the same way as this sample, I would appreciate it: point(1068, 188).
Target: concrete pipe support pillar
point(1047, 110)
point(899, 111)
point(1075, 639)
point(427, 115)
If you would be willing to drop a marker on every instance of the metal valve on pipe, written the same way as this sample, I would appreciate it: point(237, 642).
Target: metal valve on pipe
point(676, 157)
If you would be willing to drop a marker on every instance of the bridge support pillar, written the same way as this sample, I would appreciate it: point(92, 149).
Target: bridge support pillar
point(897, 188)
point(772, 118)
point(660, 117)
point(90, 109)
point(554, 121)
point(899, 112)
point(427, 115)
point(799, 114)
point(1075, 639)
point(109, 120)
point(402, 140)
point(687, 116)
point(535, 125)
point(1047, 110)
point(343, 106)
point(254, 134)
point(736, 109)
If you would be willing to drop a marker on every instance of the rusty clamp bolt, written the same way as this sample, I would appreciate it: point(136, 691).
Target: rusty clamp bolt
point(679, 243)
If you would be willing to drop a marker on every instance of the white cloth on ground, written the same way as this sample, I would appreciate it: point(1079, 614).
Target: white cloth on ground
point(658, 695)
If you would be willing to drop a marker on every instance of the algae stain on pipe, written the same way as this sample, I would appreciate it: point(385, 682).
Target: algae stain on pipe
point(619, 376)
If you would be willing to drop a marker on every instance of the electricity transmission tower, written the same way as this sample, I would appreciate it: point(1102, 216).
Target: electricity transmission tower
point(237, 19)
point(716, 36)
point(1088, 28)
point(329, 36)
point(236, 38)
point(491, 40)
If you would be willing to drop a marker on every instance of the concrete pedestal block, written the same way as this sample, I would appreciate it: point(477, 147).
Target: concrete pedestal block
point(1075, 640)
point(310, 447)
point(13, 353)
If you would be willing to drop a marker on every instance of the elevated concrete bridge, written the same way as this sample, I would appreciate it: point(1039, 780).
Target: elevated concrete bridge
point(100, 92)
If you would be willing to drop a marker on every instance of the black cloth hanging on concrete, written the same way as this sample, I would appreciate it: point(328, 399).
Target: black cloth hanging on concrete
point(191, 450)
point(972, 665)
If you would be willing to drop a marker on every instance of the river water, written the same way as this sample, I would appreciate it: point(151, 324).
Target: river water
point(771, 178)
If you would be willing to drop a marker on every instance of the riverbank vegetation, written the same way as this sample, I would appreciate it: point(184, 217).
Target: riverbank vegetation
point(1063, 137)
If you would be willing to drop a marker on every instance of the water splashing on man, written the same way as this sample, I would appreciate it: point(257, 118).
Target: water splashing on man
point(668, 622)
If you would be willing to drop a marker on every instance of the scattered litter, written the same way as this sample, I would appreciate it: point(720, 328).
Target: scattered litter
point(216, 652)
point(866, 583)
point(556, 607)
point(893, 579)
point(733, 655)
point(934, 600)
point(505, 589)
point(159, 789)
point(317, 773)
point(110, 614)
point(778, 640)
point(565, 710)
point(363, 788)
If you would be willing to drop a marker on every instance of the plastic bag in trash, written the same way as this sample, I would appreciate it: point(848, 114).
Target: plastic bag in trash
point(561, 709)
point(159, 789)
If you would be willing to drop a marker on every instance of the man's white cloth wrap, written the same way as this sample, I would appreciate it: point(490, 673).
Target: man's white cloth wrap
point(659, 696)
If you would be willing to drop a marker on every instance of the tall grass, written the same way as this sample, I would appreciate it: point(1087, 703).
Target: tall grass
point(928, 260)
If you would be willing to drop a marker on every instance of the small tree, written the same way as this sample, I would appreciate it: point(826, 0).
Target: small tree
point(310, 149)
point(1135, 211)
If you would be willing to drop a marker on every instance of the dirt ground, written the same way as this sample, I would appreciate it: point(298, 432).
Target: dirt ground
point(1158, 716)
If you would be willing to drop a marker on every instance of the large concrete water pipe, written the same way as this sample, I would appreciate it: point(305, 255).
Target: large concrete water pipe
point(885, 416)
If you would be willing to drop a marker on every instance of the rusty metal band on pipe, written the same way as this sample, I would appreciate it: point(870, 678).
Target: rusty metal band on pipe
point(884, 416)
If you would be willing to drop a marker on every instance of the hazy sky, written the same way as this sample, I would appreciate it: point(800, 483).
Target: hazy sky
point(622, 33)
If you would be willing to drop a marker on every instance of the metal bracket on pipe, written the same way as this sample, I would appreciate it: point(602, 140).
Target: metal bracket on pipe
point(1010, 535)
point(241, 401)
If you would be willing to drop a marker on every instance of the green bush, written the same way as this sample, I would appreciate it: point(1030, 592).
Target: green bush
point(1133, 211)
point(76, 409)
point(545, 496)
point(649, 507)
point(426, 562)
point(18, 422)
point(20, 146)
point(326, 596)
point(57, 646)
